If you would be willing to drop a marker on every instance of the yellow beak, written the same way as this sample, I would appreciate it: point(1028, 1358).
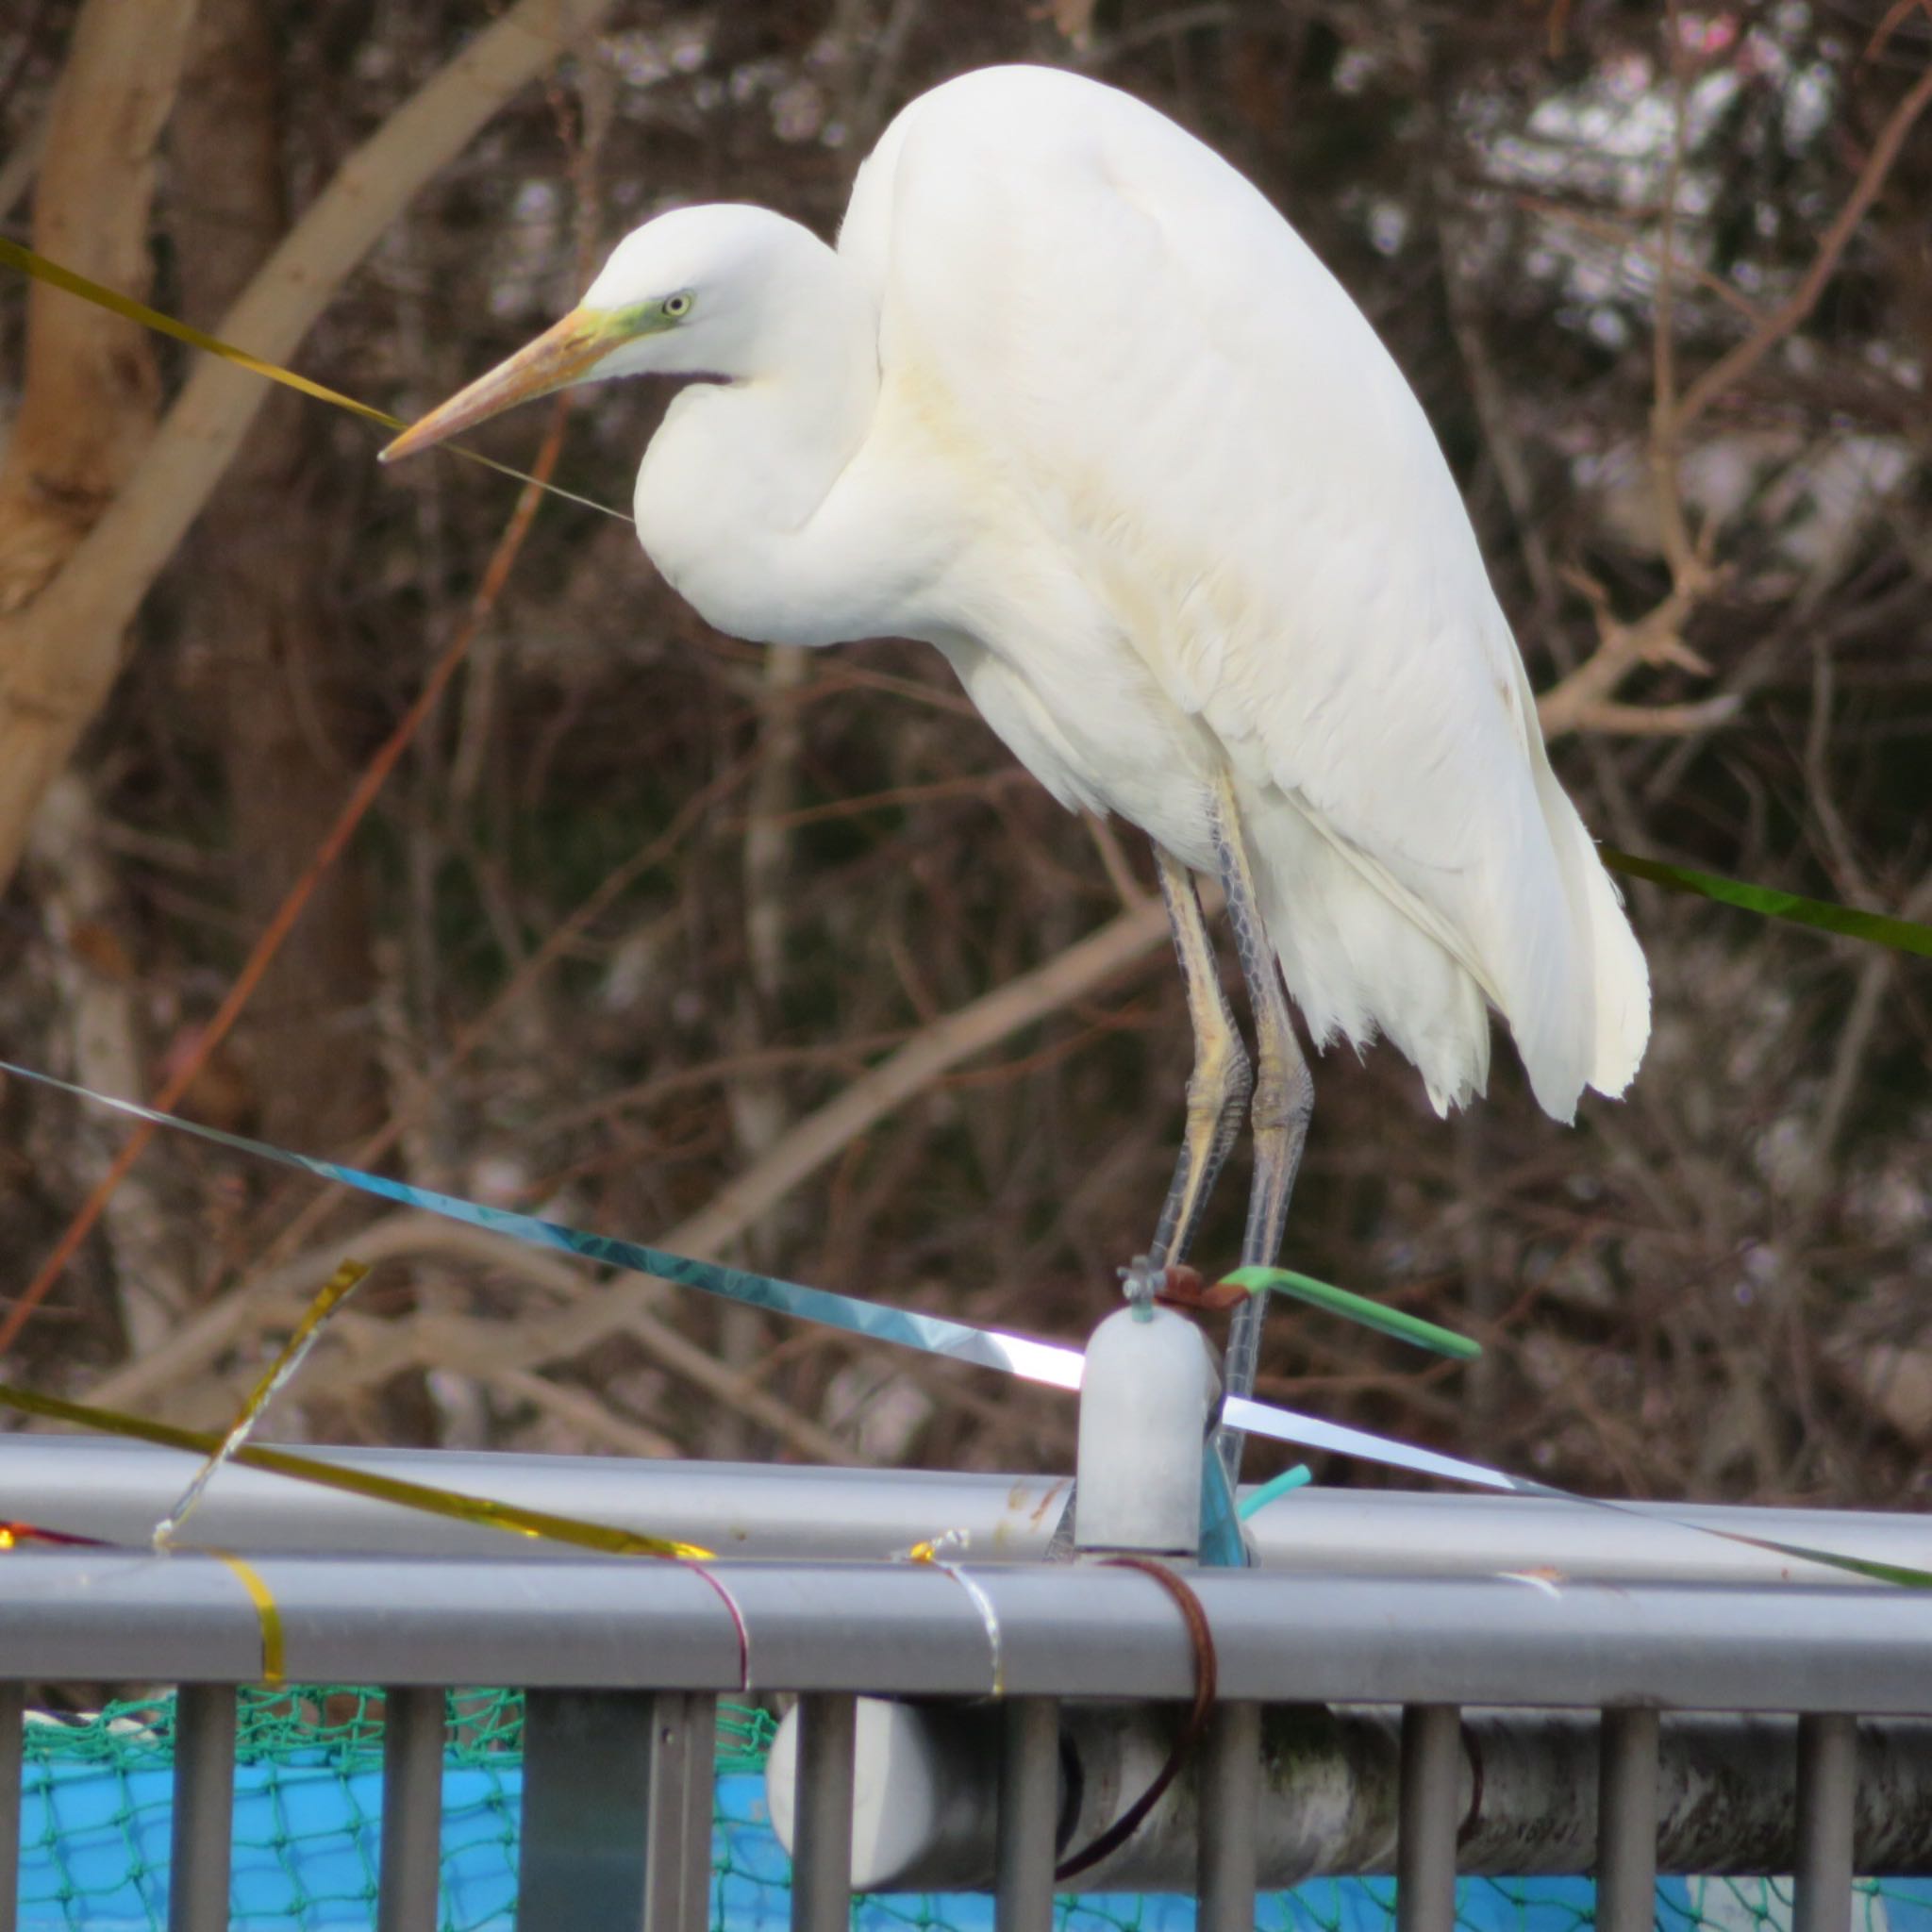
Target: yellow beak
point(560, 355)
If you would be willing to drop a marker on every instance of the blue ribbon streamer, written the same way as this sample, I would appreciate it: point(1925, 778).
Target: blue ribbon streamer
point(1052, 1363)
point(1016, 1355)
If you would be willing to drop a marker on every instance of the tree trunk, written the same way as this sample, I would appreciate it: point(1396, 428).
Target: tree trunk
point(59, 652)
point(87, 409)
point(254, 596)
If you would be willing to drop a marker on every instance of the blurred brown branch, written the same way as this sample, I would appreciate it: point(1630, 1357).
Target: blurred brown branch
point(1732, 367)
point(1578, 701)
point(62, 649)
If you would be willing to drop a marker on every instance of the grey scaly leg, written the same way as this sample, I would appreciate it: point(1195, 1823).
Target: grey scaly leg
point(1284, 1095)
point(1219, 1085)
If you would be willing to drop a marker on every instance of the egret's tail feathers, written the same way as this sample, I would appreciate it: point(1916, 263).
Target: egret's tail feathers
point(1565, 967)
point(1367, 968)
point(1561, 964)
point(1618, 1002)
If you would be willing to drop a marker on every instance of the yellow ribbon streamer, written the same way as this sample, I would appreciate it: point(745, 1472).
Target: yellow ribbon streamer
point(29, 263)
point(484, 1511)
point(1873, 928)
point(334, 1292)
point(273, 1649)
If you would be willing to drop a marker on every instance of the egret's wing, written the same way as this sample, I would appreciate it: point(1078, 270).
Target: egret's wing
point(1191, 407)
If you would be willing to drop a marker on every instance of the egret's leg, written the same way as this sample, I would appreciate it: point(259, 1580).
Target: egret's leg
point(1217, 1092)
point(1284, 1095)
point(1217, 1089)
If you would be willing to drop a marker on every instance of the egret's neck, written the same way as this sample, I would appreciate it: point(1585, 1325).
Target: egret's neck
point(731, 497)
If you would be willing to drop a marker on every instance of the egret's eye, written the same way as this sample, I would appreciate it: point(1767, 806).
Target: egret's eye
point(677, 307)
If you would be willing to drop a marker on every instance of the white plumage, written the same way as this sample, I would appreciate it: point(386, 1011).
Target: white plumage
point(1073, 402)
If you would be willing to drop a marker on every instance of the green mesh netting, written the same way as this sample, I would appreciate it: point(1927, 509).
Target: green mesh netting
point(96, 1809)
point(97, 1803)
point(341, 1723)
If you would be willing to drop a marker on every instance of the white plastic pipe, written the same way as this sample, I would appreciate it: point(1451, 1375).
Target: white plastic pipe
point(925, 1791)
point(927, 1799)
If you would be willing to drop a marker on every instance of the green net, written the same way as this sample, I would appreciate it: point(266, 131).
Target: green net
point(339, 1725)
point(97, 1807)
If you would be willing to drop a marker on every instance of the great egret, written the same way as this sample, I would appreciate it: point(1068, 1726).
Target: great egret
point(1071, 402)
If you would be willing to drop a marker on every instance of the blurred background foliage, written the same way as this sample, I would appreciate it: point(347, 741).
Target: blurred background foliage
point(643, 911)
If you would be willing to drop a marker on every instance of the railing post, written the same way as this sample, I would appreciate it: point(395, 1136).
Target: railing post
point(1230, 1800)
point(821, 1847)
point(1626, 1822)
point(586, 1779)
point(1427, 1820)
point(677, 1845)
point(1030, 1810)
point(11, 1699)
point(412, 1729)
point(617, 1811)
point(1827, 1789)
point(204, 1807)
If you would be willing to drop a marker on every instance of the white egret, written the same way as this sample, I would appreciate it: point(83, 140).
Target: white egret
point(1073, 402)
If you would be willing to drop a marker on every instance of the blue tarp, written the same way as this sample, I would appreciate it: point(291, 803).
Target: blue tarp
point(94, 1858)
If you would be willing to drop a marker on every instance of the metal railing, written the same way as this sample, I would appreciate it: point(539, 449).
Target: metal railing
point(120, 1490)
point(1497, 1684)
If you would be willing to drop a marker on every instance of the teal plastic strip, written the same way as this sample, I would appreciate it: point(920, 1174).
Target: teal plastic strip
point(1299, 1477)
point(1222, 1546)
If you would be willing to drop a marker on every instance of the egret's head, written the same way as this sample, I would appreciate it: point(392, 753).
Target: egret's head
point(687, 294)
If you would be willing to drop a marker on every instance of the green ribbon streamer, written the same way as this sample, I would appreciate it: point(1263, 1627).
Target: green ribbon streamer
point(1847, 921)
point(1355, 1308)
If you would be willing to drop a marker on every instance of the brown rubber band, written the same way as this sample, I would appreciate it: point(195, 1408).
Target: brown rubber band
point(1202, 1639)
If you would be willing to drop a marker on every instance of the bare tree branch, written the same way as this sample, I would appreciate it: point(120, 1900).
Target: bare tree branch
point(623, 1305)
point(62, 650)
point(1580, 698)
point(1877, 970)
point(1656, 637)
point(22, 165)
point(1666, 420)
point(1732, 367)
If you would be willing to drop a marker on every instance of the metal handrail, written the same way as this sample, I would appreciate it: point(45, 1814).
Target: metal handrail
point(911, 1629)
point(1536, 1610)
point(119, 1490)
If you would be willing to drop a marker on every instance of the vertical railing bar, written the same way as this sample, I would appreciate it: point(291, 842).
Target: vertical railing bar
point(204, 1807)
point(1827, 1791)
point(1427, 1819)
point(700, 1803)
point(1626, 1822)
point(1029, 1808)
point(580, 1853)
point(12, 1699)
point(411, 1868)
point(822, 1853)
point(677, 1832)
point(1231, 1804)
